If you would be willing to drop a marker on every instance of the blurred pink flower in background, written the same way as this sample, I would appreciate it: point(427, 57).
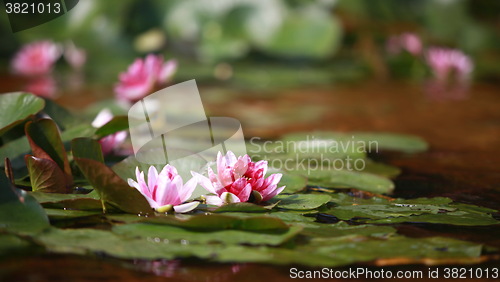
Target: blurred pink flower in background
point(449, 64)
point(239, 178)
point(111, 142)
point(165, 190)
point(143, 77)
point(452, 71)
point(76, 57)
point(43, 86)
point(36, 58)
point(407, 41)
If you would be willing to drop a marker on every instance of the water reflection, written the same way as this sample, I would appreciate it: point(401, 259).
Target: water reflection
point(176, 269)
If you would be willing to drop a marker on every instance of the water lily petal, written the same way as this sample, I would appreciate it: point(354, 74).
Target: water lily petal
point(103, 117)
point(204, 182)
point(273, 193)
point(167, 71)
point(188, 188)
point(152, 177)
point(187, 207)
point(145, 193)
point(214, 200)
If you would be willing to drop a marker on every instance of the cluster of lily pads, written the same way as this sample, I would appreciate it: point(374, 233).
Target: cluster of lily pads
point(61, 195)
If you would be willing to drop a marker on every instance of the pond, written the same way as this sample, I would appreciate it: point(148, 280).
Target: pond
point(461, 164)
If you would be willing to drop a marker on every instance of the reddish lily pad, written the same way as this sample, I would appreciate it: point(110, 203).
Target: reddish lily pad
point(45, 142)
point(46, 176)
point(111, 188)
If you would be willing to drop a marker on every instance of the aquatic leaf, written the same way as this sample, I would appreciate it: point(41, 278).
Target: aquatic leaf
point(327, 252)
point(221, 222)
point(87, 148)
point(300, 201)
point(309, 33)
point(63, 214)
point(80, 130)
point(367, 141)
point(46, 143)
point(393, 141)
point(75, 204)
point(11, 244)
point(357, 248)
point(423, 210)
point(17, 107)
point(19, 211)
point(68, 201)
point(14, 149)
point(227, 237)
point(87, 241)
point(318, 230)
point(381, 169)
point(21, 146)
point(56, 197)
point(242, 207)
point(348, 179)
point(46, 176)
point(111, 188)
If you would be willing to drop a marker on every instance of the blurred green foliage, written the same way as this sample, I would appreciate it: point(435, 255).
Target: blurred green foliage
point(290, 32)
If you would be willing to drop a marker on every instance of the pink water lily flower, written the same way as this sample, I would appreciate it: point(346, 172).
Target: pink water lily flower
point(143, 76)
point(446, 63)
point(239, 180)
point(407, 41)
point(165, 191)
point(111, 142)
point(36, 58)
point(452, 71)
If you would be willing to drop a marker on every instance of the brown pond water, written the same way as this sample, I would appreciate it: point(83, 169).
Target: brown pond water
point(463, 163)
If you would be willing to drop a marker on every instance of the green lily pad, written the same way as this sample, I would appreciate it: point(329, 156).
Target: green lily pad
point(11, 244)
point(322, 230)
point(16, 108)
point(394, 142)
point(62, 214)
point(423, 210)
point(87, 241)
point(241, 207)
point(45, 142)
point(301, 201)
point(221, 222)
point(371, 141)
point(227, 237)
point(343, 179)
point(85, 204)
point(19, 211)
point(42, 197)
point(87, 148)
point(328, 252)
point(381, 169)
point(310, 33)
point(357, 248)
